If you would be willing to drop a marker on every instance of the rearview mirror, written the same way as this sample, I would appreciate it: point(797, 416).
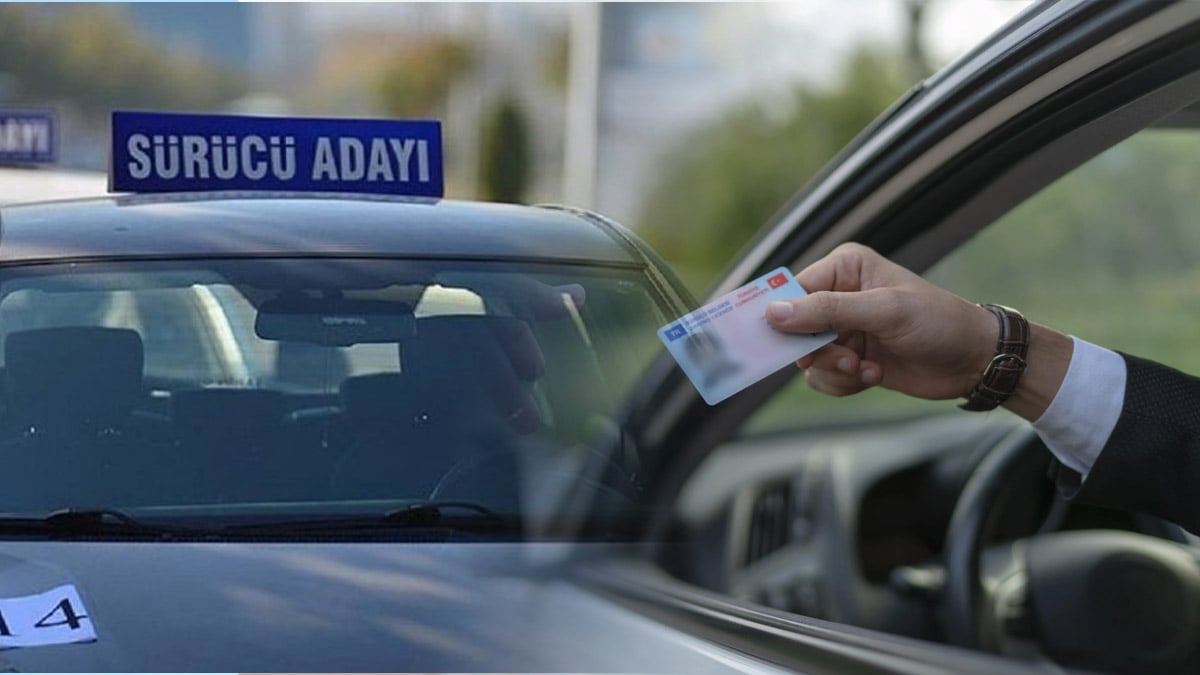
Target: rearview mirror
point(333, 321)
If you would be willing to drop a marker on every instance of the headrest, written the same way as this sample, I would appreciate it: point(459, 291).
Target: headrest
point(312, 367)
point(479, 364)
point(378, 399)
point(227, 413)
point(74, 378)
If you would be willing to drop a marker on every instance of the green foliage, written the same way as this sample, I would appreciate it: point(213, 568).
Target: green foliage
point(93, 59)
point(504, 157)
point(415, 80)
point(726, 181)
point(1110, 252)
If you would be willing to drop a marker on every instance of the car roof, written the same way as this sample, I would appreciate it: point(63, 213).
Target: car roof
point(218, 224)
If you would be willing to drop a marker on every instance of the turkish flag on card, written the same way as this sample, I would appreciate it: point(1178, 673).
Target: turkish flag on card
point(777, 280)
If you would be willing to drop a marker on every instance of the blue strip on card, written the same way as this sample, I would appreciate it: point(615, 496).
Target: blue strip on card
point(157, 152)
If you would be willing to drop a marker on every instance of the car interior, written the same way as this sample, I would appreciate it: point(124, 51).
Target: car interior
point(922, 521)
point(174, 387)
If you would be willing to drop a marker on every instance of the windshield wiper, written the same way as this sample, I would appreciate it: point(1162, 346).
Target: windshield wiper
point(73, 522)
point(452, 515)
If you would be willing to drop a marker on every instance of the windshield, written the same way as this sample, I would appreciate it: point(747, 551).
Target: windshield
point(241, 391)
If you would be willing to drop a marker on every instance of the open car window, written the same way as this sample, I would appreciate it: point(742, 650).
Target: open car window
point(829, 507)
point(1107, 253)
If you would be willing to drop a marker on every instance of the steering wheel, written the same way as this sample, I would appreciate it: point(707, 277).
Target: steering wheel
point(1104, 599)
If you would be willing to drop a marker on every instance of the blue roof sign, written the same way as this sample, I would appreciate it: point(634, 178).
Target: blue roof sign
point(27, 136)
point(161, 152)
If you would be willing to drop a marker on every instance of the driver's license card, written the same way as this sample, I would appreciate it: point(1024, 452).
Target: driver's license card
point(727, 345)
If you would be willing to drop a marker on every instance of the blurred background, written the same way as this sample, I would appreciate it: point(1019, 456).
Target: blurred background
point(691, 123)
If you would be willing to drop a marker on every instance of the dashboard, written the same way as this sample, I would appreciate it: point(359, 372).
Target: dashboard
point(849, 524)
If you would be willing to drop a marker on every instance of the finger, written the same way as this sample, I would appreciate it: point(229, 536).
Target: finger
point(836, 357)
point(855, 340)
point(837, 381)
point(833, 383)
point(841, 270)
point(870, 373)
point(867, 311)
point(843, 339)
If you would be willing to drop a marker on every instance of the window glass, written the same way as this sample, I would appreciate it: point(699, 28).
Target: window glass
point(301, 384)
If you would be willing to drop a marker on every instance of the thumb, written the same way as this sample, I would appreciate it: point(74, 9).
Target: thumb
point(867, 311)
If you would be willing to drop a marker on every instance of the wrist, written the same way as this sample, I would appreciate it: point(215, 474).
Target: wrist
point(1047, 361)
point(999, 379)
point(986, 334)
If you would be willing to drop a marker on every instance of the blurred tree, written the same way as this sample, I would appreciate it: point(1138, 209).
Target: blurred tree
point(415, 80)
point(92, 58)
point(556, 63)
point(914, 43)
point(727, 180)
point(504, 155)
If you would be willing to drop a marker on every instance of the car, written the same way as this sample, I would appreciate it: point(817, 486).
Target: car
point(1052, 170)
point(558, 495)
point(378, 487)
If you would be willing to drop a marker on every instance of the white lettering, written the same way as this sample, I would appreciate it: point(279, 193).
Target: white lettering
point(353, 158)
point(403, 151)
point(283, 157)
point(195, 157)
point(137, 145)
point(324, 166)
point(39, 137)
point(423, 161)
point(26, 137)
point(224, 157)
point(381, 164)
point(166, 157)
point(254, 166)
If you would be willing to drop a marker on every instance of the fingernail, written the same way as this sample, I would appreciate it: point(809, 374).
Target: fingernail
point(869, 376)
point(780, 311)
point(843, 365)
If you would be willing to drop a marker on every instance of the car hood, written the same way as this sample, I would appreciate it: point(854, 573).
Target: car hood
point(338, 607)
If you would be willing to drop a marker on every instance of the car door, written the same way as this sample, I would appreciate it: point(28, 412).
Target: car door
point(815, 532)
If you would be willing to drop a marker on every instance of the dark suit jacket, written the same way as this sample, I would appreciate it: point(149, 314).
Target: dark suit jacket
point(1151, 462)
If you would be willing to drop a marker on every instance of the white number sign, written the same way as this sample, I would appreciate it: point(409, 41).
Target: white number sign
point(51, 618)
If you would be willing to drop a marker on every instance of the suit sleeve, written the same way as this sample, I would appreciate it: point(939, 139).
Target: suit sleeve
point(1151, 462)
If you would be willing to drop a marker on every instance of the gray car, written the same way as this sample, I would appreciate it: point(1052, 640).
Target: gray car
point(377, 485)
point(453, 441)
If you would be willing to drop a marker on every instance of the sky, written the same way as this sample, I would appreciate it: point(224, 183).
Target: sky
point(826, 29)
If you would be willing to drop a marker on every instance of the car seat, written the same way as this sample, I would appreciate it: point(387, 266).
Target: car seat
point(70, 391)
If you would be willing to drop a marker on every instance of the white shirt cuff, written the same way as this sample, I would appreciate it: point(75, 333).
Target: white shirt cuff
point(1078, 422)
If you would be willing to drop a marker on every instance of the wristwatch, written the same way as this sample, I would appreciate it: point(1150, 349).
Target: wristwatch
point(1003, 372)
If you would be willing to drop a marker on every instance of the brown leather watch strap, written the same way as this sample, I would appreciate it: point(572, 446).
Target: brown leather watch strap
point(1003, 372)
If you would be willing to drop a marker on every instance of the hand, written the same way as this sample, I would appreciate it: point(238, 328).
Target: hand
point(894, 328)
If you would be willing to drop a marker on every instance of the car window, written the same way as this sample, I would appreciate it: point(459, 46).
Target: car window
point(1109, 253)
point(301, 384)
